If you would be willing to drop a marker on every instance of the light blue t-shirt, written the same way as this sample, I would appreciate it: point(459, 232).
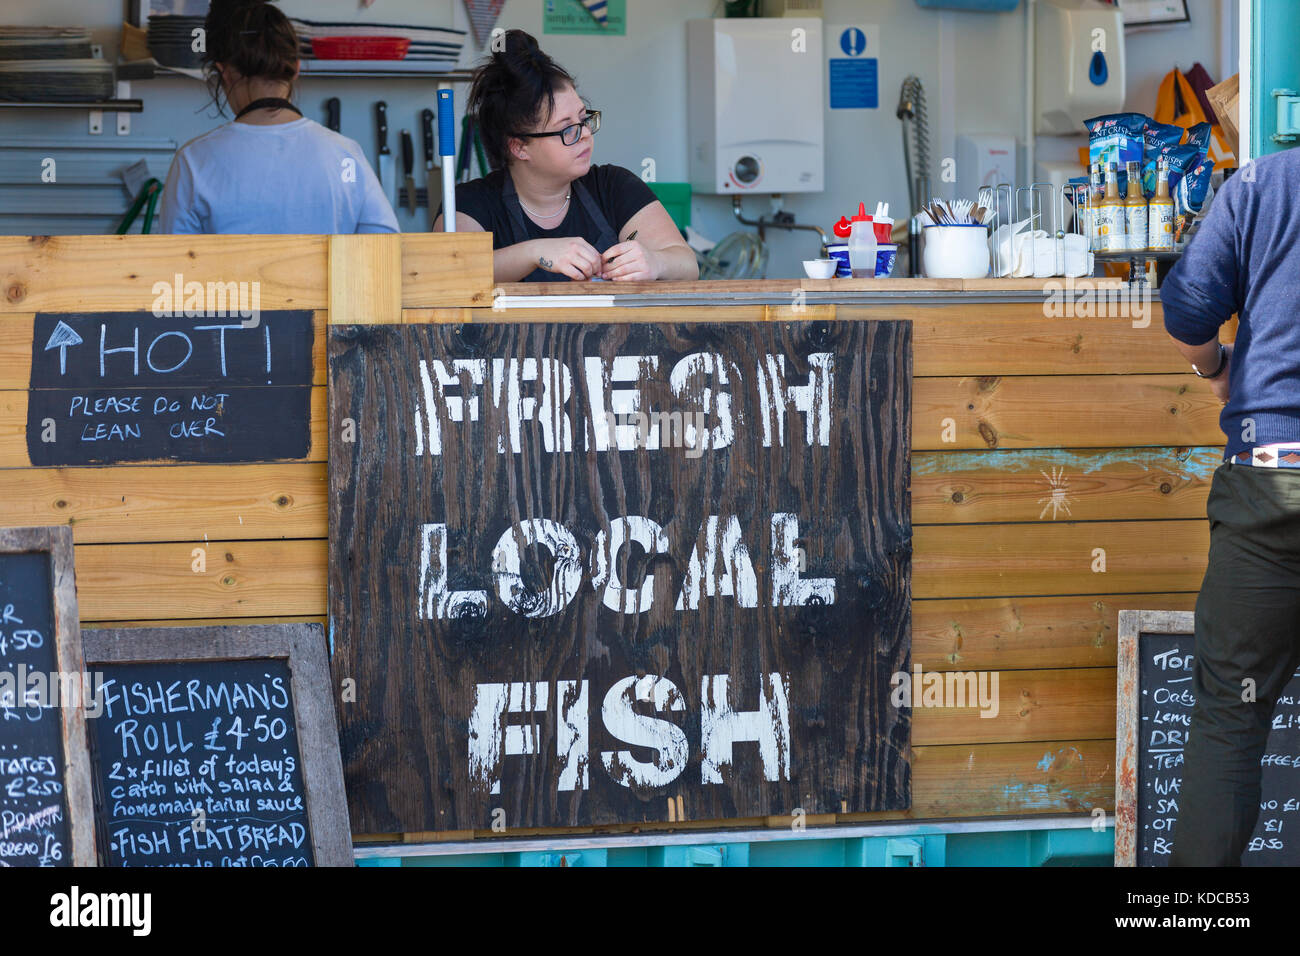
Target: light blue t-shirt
point(288, 178)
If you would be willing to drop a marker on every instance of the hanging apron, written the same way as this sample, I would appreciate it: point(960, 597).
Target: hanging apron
point(519, 229)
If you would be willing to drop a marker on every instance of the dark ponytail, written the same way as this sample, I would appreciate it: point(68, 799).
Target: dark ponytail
point(512, 92)
point(252, 36)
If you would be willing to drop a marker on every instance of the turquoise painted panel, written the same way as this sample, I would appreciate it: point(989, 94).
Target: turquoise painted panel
point(1073, 847)
point(1275, 64)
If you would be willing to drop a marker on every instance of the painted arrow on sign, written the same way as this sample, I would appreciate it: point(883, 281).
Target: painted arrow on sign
point(63, 336)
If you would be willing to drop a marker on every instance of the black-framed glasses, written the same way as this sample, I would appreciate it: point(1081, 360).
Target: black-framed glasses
point(571, 134)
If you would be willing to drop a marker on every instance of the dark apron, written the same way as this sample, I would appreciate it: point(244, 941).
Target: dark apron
point(519, 230)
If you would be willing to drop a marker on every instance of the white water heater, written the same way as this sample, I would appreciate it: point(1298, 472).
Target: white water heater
point(1079, 63)
point(755, 105)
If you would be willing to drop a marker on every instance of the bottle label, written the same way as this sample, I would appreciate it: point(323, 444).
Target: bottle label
point(1135, 219)
point(1112, 237)
point(1160, 231)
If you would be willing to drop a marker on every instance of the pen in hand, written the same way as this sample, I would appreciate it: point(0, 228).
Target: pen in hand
point(628, 239)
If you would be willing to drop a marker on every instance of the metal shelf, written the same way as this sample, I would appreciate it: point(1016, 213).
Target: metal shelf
point(106, 106)
point(145, 70)
point(1138, 254)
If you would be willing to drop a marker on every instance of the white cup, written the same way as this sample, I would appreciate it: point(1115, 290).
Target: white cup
point(956, 252)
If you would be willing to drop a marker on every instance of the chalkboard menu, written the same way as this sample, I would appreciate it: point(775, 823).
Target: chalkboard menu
point(598, 573)
point(1155, 704)
point(44, 778)
point(124, 387)
point(216, 747)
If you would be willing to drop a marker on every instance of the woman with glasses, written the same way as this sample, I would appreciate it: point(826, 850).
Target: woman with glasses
point(552, 213)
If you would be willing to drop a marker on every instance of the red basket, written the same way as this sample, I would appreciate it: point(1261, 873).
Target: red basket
point(360, 48)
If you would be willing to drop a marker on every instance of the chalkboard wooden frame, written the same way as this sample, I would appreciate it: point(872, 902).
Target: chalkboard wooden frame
point(1132, 625)
point(303, 646)
point(57, 542)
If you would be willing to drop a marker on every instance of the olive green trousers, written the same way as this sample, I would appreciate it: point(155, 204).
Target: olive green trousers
point(1247, 649)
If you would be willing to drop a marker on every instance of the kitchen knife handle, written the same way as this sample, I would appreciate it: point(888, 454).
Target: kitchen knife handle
point(332, 113)
point(408, 152)
point(381, 112)
point(426, 119)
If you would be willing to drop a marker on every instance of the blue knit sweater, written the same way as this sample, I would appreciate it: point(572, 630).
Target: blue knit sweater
point(1246, 259)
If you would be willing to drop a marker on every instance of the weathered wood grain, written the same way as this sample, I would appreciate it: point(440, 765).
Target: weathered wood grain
point(365, 279)
point(1031, 705)
point(286, 578)
point(404, 742)
point(948, 782)
point(120, 582)
point(1025, 632)
point(53, 273)
point(1059, 558)
point(1065, 411)
point(1061, 484)
point(181, 503)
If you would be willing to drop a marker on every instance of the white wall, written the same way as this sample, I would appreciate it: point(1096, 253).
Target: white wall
point(639, 81)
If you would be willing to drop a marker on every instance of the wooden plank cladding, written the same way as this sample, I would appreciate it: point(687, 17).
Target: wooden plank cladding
point(196, 578)
point(970, 487)
point(182, 503)
point(1060, 411)
point(1068, 436)
point(975, 780)
point(118, 273)
point(958, 562)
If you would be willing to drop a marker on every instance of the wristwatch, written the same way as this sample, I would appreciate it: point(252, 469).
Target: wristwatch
point(1223, 363)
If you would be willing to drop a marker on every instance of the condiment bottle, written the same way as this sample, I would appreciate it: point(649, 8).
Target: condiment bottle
point(1160, 229)
point(1135, 211)
point(863, 249)
point(1114, 237)
point(1097, 192)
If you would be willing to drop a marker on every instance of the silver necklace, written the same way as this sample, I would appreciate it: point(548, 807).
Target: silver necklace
point(552, 215)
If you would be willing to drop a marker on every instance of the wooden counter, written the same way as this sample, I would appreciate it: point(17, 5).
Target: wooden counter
point(1039, 444)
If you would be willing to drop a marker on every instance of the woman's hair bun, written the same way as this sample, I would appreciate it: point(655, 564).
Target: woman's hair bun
point(253, 37)
point(512, 91)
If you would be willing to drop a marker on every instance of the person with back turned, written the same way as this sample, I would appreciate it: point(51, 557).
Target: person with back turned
point(1244, 260)
point(272, 170)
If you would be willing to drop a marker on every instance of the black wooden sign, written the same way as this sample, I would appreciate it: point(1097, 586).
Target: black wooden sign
point(217, 747)
point(45, 806)
point(123, 387)
point(587, 574)
point(1157, 647)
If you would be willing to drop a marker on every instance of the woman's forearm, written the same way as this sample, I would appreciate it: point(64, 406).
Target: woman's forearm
point(512, 263)
point(678, 262)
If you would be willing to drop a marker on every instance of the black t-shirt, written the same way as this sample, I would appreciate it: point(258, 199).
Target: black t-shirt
point(618, 192)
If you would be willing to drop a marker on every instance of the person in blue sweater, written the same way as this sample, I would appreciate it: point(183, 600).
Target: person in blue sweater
point(1244, 260)
point(272, 170)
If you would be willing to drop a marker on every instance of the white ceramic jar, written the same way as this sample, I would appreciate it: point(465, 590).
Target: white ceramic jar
point(956, 252)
